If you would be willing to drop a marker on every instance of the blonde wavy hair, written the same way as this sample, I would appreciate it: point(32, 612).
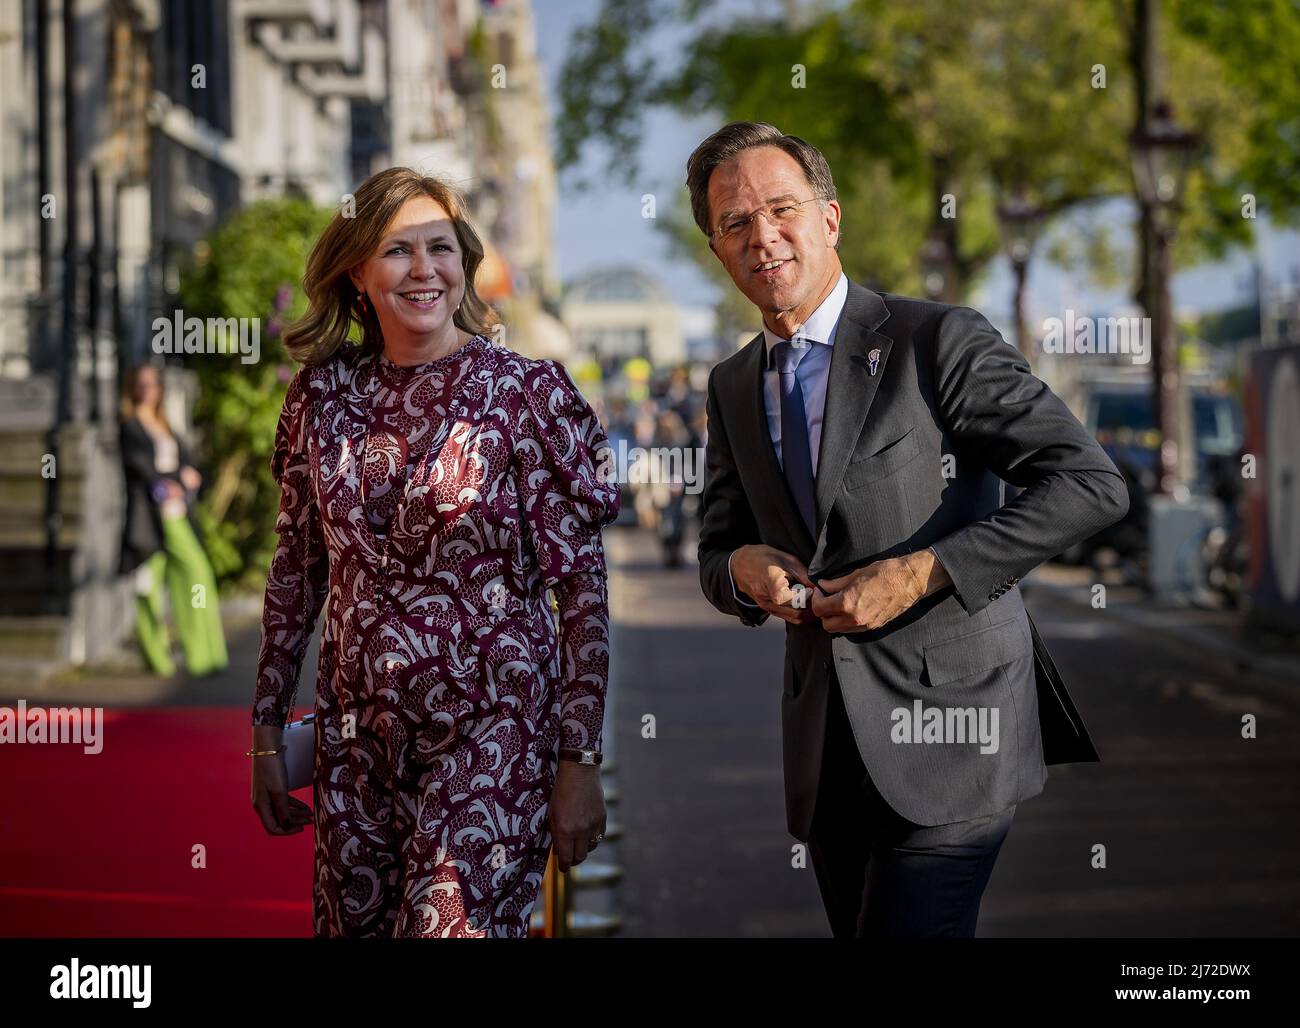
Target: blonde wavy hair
point(129, 408)
point(333, 302)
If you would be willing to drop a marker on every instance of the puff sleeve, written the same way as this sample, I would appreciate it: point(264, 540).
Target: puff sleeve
point(297, 581)
point(568, 495)
point(568, 491)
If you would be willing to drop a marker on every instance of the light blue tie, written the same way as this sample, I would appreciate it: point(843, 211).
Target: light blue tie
point(796, 453)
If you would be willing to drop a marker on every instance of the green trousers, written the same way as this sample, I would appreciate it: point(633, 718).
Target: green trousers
point(193, 590)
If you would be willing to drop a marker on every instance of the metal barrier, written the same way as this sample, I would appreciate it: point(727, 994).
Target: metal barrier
point(558, 913)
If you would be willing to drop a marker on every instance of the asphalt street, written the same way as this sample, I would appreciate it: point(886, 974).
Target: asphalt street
point(1199, 825)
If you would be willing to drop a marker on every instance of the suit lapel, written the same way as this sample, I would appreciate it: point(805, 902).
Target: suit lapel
point(752, 444)
point(850, 388)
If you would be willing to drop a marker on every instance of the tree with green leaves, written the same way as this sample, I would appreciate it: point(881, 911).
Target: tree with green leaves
point(251, 267)
point(925, 110)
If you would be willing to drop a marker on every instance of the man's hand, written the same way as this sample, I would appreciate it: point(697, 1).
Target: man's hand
point(763, 573)
point(873, 596)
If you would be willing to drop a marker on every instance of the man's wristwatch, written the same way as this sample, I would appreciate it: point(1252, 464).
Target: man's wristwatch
point(590, 758)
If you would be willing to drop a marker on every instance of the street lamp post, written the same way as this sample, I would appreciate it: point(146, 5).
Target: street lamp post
point(1021, 221)
point(934, 265)
point(1162, 152)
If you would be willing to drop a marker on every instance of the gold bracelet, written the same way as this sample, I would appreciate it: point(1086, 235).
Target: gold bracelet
point(263, 753)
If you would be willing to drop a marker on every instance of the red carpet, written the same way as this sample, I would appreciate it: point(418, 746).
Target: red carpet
point(101, 845)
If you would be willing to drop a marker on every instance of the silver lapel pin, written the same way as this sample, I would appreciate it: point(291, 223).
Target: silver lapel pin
point(873, 362)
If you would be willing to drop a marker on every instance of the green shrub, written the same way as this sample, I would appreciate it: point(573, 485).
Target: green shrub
point(251, 267)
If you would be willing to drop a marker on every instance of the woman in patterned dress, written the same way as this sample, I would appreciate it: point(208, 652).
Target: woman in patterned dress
point(434, 487)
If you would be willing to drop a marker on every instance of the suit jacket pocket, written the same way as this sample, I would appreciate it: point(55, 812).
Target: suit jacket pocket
point(865, 470)
point(991, 647)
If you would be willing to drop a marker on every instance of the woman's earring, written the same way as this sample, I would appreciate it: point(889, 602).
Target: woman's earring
point(362, 297)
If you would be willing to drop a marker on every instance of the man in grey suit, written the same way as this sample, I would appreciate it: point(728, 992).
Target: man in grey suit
point(855, 460)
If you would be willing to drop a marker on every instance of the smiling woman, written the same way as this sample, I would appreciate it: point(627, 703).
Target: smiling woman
point(405, 257)
point(435, 487)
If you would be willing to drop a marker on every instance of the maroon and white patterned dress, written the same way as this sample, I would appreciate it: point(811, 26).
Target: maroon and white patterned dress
point(428, 509)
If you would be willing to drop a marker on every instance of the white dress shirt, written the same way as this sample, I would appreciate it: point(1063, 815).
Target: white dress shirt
point(812, 373)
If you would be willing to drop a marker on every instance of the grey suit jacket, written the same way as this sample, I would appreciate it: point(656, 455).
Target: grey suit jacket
point(914, 456)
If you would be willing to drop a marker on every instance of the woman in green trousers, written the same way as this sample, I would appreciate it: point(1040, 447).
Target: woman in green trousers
point(160, 537)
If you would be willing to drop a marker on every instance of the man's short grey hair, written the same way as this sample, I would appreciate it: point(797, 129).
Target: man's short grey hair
point(733, 139)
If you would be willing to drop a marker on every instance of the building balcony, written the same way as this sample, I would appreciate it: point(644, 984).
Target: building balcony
point(329, 52)
point(363, 83)
point(315, 12)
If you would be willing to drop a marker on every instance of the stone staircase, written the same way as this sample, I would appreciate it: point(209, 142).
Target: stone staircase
point(69, 606)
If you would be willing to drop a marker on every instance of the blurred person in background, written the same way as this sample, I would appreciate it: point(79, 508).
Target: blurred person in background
point(642, 472)
point(699, 426)
point(678, 394)
point(435, 488)
point(614, 416)
point(160, 535)
point(666, 485)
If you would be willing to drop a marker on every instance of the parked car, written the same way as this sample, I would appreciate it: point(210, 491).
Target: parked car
point(1121, 416)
